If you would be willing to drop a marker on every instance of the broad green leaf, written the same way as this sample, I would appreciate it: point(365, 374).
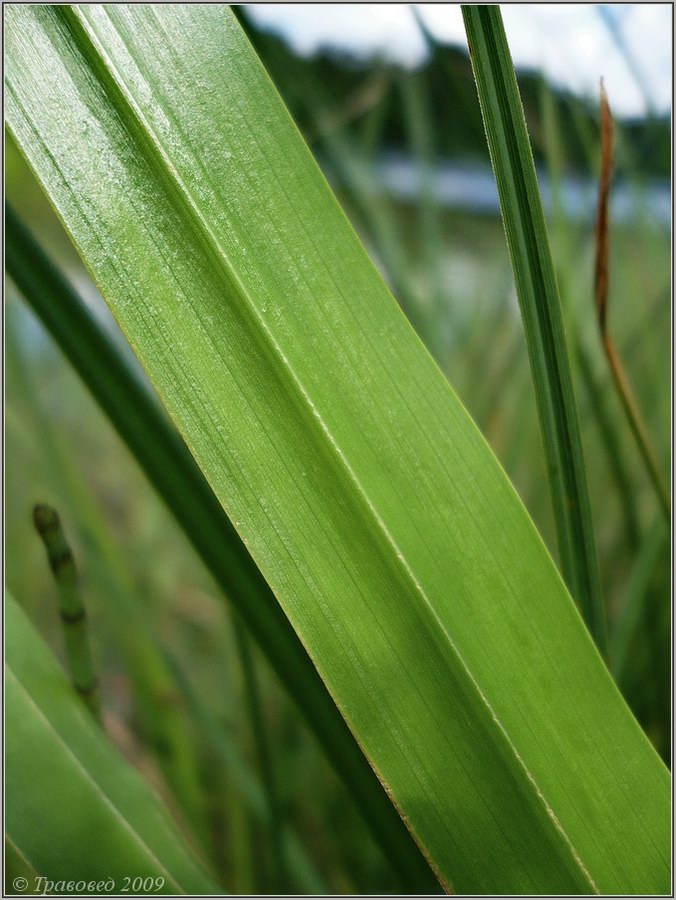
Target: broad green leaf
point(538, 294)
point(75, 811)
point(178, 480)
point(379, 516)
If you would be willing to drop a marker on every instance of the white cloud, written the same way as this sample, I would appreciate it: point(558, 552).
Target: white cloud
point(570, 42)
point(388, 28)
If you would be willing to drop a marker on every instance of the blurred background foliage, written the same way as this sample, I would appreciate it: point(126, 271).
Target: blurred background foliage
point(405, 152)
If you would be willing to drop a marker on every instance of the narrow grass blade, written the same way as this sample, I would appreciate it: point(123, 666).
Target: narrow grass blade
point(437, 49)
point(372, 125)
point(177, 479)
point(526, 231)
point(71, 607)
point(567, 249)
point(381, 519)
point(630, 612)
point(245, 786)
point(601, 283)
point(367, 97)
point(418, 120)
point(607, 426)
point(276, 824)
point(73, 807)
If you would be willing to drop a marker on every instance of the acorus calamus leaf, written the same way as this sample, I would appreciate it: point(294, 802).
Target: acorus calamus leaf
point(376, 511)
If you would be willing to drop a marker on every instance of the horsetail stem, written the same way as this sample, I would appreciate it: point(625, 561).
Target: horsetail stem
point(71, 608)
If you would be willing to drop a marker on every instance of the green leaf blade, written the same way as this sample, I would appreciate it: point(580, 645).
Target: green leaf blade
point(376, 511)
point(526, 232)
point(74, 809)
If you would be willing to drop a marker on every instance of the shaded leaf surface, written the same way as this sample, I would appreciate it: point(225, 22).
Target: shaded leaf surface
point(75, 811)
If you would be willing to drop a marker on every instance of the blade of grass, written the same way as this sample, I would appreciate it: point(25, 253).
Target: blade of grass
point(608, 434)
point(233, 830)
point(420, 136)
point(439, 51)
point(601, 282)
point(372, 212)
point(631, 607)
point(391, 536)
point(246, 786)
point(537, 291)
point(351, 163)
point(74, 808)
point(276, 824)
point(363, 100)
point(174, 475)
point(373, 123)
point(567, 257)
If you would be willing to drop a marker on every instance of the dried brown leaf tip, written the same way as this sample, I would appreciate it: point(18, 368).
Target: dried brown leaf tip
point(601, 268)
point(601, 283)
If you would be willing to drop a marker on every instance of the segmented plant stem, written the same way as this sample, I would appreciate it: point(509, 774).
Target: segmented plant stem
point(71, 607)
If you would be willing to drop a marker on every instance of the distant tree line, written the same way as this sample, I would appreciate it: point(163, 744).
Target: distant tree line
point(333, 87)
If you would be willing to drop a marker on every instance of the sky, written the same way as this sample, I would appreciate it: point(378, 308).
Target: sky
point(572, 43)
